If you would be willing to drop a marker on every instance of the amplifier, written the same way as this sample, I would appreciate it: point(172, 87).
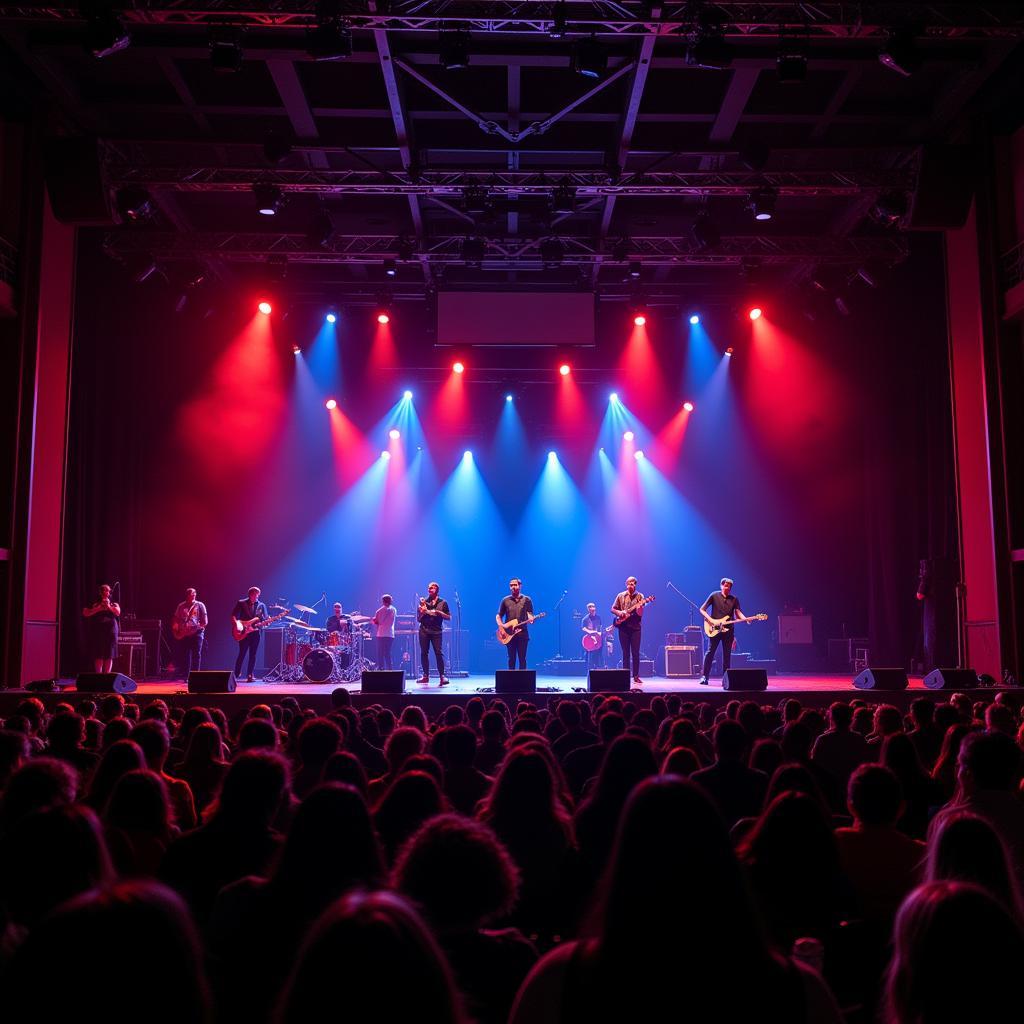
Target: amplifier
point(681, 660)
point(131, 658)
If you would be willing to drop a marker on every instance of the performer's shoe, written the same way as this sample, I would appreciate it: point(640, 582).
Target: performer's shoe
point(444, 682)
point(251, 679)
point(638, 681)
point(423, 680)
point(703, 680)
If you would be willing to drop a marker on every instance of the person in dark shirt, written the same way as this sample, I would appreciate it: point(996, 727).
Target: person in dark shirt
point(253, 608)
point(591, 626)
point(628, 610)
point(432, 612)
point(722, 604)
point(518, 606)
point(338, 622)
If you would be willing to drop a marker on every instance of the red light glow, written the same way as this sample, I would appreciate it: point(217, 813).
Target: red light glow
point(564, 369)
point(458, 367)
point(265, 308)
point(755, 313)
point(383, 318)
point(639, 320)
point(688, 406)
point(331, 404)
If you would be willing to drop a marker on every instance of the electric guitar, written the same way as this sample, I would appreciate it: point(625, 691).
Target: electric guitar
point(716, 626)
point(187, 628)
point(509, 629)
point(241, 628)
point(621, 620)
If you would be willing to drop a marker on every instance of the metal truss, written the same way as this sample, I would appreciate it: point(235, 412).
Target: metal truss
point(508, 253)
point(450, 183)
point(607, 17)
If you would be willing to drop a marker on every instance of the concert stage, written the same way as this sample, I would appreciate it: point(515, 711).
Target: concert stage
point(811, 690)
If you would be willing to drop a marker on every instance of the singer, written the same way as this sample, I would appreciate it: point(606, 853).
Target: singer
point(101, 628)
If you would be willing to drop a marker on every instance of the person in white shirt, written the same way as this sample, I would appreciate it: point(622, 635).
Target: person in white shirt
point(384, 620)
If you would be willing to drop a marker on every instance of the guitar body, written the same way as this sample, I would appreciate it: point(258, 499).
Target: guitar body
point(591, 641)
point(725, 624)
point(241, 628)
point(621, 620)
point(180, 630)
point(514, 627)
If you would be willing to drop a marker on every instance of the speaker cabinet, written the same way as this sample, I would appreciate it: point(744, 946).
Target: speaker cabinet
point(745, 679)
point(881, 679)
point(951, 679)
point(681, 660)
point(211, 681)
point(608, 680)
point(515, 680)
point(383, 681)
point(105, 682)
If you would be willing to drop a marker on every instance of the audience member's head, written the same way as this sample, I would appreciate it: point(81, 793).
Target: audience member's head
point(14, 749)
point(345, 767)
point(412, 799)
point(680, 761)
point(139, 803)
point(258, 734)
point(254, 788)
point(731, 742)
point(154, 739)
point(874, 796)
point(318, 739)
point(988, 761)
point(123, 756)
point(37, 785)
point(402, 744)
point(840, 715)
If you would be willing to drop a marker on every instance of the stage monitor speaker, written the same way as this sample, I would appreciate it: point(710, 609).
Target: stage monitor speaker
point(608, 680)
point(79, 195)
point(951, 679)
point(105, 682)
point(383, 681)
point(745, 679)
point(42, 686)
point(211, 681)
point(515, 680)
point(881, 679)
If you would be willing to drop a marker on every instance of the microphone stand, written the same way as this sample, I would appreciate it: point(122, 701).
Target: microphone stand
point(558, 612)
point(693, 605)
point(456, 651)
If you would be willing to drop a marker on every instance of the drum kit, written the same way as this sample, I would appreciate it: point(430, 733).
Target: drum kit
point(309, 653)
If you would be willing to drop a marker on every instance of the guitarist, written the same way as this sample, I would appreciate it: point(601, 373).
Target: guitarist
point(253, 608)
point(722, 604)
point(519, 606)
point(432, 612)
point(190, 619)
point(591, 625)
point(628, 610)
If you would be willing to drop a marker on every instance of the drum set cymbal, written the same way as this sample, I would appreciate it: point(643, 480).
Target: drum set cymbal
point(299, 624)
point(305, 609)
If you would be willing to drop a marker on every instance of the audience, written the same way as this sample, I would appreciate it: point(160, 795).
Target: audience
point(539, 830)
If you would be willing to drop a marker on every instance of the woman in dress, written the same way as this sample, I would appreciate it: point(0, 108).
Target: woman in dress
point(101, 630)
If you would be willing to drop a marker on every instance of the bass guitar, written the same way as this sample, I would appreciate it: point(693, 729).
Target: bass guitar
point(509, 629)
point(241, 628)
point(713, 627)
point(621, 620)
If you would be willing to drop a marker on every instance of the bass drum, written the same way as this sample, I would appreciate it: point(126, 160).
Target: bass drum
point(319, 665)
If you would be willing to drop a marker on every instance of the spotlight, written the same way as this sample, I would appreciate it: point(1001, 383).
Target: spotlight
point(134, 204)
point(565, 369)
point(552, 456)
point(225, 51)
point(762, 204)
point(694, 319)
point(635, 269)
point(476, 200)
point(407, 396)
point(394, 433)
point(454, 49)
point(268, 198)
point(638, 455)
point(560, 21)
point(589, 58)
point(383, 317)
point(385, 456)
point(628, 435)
point(613, 397)
point(755, 313)
point(458, 367)
point(390, 268)
point(264, 307)
point(551, 252)
point(688, 406)
point(640, 319)
point(296, 350)
point(467, 454)
point(330, 40)
point(331, 318)
point(508, 398)
point(331, 404)
point(899, 54)
point(105, 33)
point(728, 351)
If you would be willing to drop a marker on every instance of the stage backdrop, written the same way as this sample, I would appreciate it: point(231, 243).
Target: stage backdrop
point(813, 467)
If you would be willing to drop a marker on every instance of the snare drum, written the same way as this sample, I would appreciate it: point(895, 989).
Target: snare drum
point(333, 639)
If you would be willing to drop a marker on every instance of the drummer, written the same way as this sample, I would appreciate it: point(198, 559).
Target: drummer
point(338, 623)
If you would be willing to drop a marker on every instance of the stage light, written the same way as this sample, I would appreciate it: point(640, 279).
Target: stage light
point(694, 319)
point(390, 268)
point(383, 318)
point(628, 435)
point(755, 313)
point(899, 53)
point(728, 351)
point(264, 307)
point(394, 433)
point(552, 456)
point(458, 367)
point(762, 204)
point(407, 395)
point(297, 350)
point(613, 397)
point(565, 369)
point(467, 454)
point(638, 456)
point(589, 58)
point(331, 318)
point(639, 319)
point(508, 398)
point(331, 404)
point(560, 21)
point(268, 198)
point(688, 406)
point(385, 456)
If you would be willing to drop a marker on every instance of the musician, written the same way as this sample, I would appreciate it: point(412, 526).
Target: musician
point(516, 605)
point(629, 603)
point(432, 612)
point(102, 629)
point(591, 624)
point(338, 622)
point(384, 619)
point(722, 604)
point(253, 608)
point(191, 616)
